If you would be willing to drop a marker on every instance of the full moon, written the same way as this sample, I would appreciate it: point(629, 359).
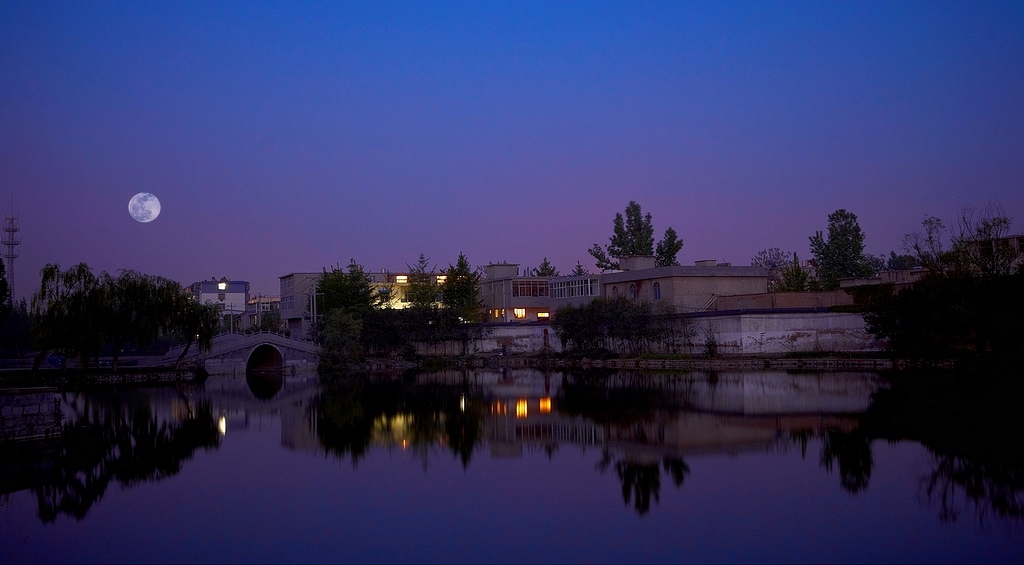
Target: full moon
point(144, 207)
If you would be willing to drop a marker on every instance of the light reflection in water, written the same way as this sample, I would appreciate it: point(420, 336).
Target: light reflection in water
point(639, 445)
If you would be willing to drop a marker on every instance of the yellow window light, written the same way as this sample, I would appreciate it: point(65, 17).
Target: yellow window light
point(521, 410)
point(545, 405)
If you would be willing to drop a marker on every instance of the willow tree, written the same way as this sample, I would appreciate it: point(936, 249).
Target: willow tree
point(67, 313)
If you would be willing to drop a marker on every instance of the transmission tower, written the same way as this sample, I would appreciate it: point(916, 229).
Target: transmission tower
point(11, 241)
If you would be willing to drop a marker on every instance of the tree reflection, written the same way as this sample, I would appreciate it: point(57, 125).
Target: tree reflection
point(642, 481)
point(852, 452)
point(635, 412)
point(993, 490)
point(356, 411)
point(970, 420)
point(114, 441)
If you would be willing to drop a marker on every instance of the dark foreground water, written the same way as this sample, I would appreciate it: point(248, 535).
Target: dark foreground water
point(512, 466)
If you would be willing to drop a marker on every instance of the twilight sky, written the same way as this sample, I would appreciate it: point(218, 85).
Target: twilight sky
point(285, 137)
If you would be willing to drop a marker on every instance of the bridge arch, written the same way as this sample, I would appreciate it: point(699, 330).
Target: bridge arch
point(264, 371)
point(264, 356)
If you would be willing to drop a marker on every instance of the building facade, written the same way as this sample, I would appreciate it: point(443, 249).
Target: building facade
point(509, 297)
point(230, 296)
point(684, 289)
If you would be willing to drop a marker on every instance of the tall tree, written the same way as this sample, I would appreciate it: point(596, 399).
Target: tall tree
point(422, 291)
point(668, 248)
point(546, 269)
point(634, 235)
point(579, 270)
point(841, 254)
point(460, 291)
point(350, 290)
point(773, 260)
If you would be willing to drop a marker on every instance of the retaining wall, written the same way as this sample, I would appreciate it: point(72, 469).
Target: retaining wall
point(29, 414)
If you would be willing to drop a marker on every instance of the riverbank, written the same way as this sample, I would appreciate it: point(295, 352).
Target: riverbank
point(823, 363)
point(78, 378)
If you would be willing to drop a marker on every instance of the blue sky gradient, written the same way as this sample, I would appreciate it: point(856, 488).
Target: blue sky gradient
point(286, 137)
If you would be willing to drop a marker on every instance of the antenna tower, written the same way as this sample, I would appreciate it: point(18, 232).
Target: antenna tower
point(11, 240)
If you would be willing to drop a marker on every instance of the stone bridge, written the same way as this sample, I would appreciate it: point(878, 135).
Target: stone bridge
point(263, 350)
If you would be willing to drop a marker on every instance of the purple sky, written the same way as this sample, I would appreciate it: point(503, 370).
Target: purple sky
point(286, 137)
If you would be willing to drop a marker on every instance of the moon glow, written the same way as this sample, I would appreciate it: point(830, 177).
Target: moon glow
point(144, 207)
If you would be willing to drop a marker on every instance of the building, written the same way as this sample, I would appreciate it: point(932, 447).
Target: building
point(257, 309)
point(230, 296)
point(574, 290)
point(996, 255)
point(297, 302)
point(682, 288)
point(509, 297)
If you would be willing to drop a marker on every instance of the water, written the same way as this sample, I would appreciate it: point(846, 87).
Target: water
point(512, 466)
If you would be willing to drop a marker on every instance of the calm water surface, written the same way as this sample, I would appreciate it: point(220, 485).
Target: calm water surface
point(518, 465)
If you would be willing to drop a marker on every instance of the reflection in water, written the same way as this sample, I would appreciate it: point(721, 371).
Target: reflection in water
point(646, 424)
point(649, 429)
point(852, 452)
point(266, 382)
point(114, 438)
point(971, 423)
point(355, 413)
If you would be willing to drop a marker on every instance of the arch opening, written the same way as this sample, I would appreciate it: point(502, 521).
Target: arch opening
point(264, 371)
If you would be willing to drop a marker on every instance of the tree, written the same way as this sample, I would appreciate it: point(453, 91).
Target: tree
point(579, 270)
point(194, 323)
point(978, 245)
point(634, 235)
point(793, 278)
point(546, 269)
point(927, 247)
point(842, 253)
point(773, 260)
point(668, 248)
point(900, 262)
point(460, 291)
point(5, 294)
point(350, 290)
point(67, 313)
point(422, 291)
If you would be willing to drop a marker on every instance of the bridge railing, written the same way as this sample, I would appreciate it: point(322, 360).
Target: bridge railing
point(177, 349)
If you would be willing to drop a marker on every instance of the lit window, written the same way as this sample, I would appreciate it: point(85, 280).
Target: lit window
point(401, 279)
point(441, 279)
point(222, 286)
point(543, 315)
point(657, 291)
point(521, 410)
point(519, 313)
point(545, 405)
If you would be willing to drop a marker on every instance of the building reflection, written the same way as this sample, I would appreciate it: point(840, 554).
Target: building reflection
point(645, 428)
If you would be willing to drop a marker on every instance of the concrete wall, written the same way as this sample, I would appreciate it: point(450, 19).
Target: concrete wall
point(780, 333)
point(770, 333)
